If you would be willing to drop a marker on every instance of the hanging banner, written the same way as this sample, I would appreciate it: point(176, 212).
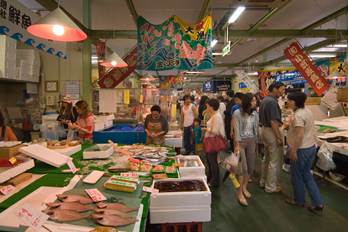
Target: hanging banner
point(116, 75)
point(306, 67)
point(174, 44)
point(222, 85)
point(198, 91)
point(247, 81)
point(209, 86)
point(171, 82)
point(15, 18)
point(340, 65)
point(101, 51)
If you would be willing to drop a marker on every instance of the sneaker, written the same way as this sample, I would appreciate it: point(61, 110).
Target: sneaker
point(286, 167)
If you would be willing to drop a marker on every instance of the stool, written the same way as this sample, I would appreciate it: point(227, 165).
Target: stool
point(182, 227)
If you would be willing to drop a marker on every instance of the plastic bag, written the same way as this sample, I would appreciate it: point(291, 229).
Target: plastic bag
point(231, 162)
point(325, 154)
point(70, 135)
point(61, 131)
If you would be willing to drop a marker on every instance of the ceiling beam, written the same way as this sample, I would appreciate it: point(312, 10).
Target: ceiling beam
point(204, 10)
point(132, 10)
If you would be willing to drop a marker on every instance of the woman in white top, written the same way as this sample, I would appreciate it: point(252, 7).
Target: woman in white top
point(245, 122)
point(188, 114)
point(301, 139)
point(222, 106)
point(215, 126)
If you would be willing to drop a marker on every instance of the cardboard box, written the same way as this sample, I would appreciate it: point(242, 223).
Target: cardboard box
point(8, 152)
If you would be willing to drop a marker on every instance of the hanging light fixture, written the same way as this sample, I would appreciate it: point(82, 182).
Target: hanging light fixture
point(114, 60)
point(57, 26)
point(147, 77)
point(335, 75)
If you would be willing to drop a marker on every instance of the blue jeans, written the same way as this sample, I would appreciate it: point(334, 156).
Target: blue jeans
point(300, 173)
point(189, 141)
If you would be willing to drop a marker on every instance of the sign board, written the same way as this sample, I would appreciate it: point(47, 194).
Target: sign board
point(247, 81)
point(226, 49)
point(208, 86)
point(222, 85)
point(31, 216)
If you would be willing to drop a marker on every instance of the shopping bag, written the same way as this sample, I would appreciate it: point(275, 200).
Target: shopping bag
point(214, 144)
point(231, 162)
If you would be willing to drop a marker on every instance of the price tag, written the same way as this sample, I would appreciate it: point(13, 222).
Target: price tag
point(130, 174)
point(95, 195)
point(31, 216)
point(13, 160)
point(71, 165)
point(7, 189)
point(160, 176)
point(141, 99)
point(150, 190)
point(178, 164)
point(135, 161)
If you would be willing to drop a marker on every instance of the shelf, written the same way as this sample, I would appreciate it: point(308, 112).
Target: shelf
point(16, 81)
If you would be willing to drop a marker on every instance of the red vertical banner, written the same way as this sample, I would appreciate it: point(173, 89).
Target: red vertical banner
point(101, 51)
point(116, 75)
point(307, 68)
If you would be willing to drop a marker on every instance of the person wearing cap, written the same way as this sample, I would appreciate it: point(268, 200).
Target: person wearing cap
point(67, 112)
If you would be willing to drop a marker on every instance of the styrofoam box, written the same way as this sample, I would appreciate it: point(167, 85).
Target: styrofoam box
point(98, 125)
point(191, 171)
point(180, 198)
point(204, 177)
point(108, 123)
point(10, 172)
point(174, 214)
point(69, 150)
point(102, 154)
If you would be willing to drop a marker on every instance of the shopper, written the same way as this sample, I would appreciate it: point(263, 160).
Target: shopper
point(156, 126)
point(227, 113)
point(197, 130)
point(222, 106)
point(193, 100)
point(215, 126)
point(245, 131)
point(201, 107)
point(84, 123)
point(67, 113)
point(188, 114)
point(272, 136)
point(301, 138)
point(6, 132)
point(238, 100)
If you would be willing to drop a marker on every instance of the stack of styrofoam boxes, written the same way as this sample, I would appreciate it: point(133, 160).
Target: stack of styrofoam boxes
point(108, 119)
point(98, 125)
point(191, 172)
point(28, 65)
point(180, 207)
point(7, 57)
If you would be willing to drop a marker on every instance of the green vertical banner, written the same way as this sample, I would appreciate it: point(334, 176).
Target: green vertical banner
point(174, 44)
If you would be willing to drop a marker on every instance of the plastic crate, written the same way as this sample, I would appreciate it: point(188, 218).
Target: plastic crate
point(182, 227)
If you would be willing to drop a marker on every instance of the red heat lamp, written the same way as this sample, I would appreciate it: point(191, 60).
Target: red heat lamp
point(57, 26)
point(147, 77)
point(114, 61)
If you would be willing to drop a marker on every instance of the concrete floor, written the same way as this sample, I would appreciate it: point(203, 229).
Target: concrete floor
point(269, 212)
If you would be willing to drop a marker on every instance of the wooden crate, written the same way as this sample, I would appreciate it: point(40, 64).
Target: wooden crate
point(313, 101)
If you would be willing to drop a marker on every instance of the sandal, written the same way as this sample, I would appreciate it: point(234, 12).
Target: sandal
point(292, 202)
point(247, 194)
point(243, 202)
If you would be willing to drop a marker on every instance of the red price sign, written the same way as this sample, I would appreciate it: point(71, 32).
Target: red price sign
point(31, 216)
point(7, 189)
point(150, 190)
point(95, 195)
point(71, 165)
point(130, 174)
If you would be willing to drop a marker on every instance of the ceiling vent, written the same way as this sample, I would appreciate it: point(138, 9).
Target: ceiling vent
point(258, 3)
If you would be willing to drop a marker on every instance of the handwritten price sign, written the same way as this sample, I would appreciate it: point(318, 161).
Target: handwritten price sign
point(95, 195)
point(150, 190)
point(7, 189)
point(130, 174)
point(31, 216)
point(71, 165)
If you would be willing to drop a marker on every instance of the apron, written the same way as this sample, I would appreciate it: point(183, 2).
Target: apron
point(155, 127)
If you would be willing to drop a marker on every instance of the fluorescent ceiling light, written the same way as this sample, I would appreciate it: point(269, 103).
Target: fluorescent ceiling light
point(193, 72)
point(339, 45)
point(236, 14)
point(322, 55)
point(213, 43)
point(252, 73)
point(94, 57)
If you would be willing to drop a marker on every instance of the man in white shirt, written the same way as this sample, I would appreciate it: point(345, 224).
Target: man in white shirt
point(188, 114)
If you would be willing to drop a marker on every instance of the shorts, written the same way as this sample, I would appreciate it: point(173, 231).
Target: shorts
point(199, 146)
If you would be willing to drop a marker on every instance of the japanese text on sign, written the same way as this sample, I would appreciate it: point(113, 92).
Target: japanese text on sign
point(150, 190)
point(31, 216)
point(71, 165)
point(130, 174)
point(7, 189)
point(95, 195)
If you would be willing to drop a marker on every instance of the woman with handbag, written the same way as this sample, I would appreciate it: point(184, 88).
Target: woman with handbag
point(245, 138)
point(213, 141)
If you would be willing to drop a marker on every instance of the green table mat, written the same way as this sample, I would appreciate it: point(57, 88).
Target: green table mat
point(323, 127)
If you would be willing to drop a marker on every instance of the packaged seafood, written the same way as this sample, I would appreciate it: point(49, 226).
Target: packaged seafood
point(170, 169)
point(145, 168)
point(125, 179)
point(120, 186)
point(158, 168)
point(133, 166)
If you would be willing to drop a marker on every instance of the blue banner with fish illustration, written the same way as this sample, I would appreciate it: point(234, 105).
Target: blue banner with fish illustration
point(15, 18)
point(174, 44)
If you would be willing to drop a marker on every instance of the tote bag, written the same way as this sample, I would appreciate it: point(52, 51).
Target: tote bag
point(214, 144)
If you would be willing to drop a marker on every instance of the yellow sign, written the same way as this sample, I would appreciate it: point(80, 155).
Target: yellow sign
point(174, 110)
point(141, 98)
point(13, 160)
point(126, 96)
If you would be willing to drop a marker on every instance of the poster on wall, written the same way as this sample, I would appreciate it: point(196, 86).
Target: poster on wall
point(174, 44)
point(15, 18)
point(171, 82)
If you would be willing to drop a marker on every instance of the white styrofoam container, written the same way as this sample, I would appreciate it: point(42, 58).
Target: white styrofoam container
point(108, 123)
point(191, 171)
point(106, 150)
point(69, 150)
point(180, 198)
point(106, 117)
point(204, 177)
point(174, 214)
point(10, 172)
point(44, 154)
point(98, 125)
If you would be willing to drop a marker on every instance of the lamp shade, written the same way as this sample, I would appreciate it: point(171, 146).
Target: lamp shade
point(57, 26)
point(147, 77)
point(114, 61)
point(335, 74)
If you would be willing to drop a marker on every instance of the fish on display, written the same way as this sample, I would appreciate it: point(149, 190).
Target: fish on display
point(75, 198)
point(74, 206)
point(117, 206)
point(111, 220)
point(114, 212)
point(65, 215)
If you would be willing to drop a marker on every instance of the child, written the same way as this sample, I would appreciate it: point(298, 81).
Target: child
point(197, 130)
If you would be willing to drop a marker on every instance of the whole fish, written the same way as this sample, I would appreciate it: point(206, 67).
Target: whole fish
point(111, 220)
point(117, 206)
point(77, 207)
point(65, 215)
point(75, 198)
point(114, 212)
